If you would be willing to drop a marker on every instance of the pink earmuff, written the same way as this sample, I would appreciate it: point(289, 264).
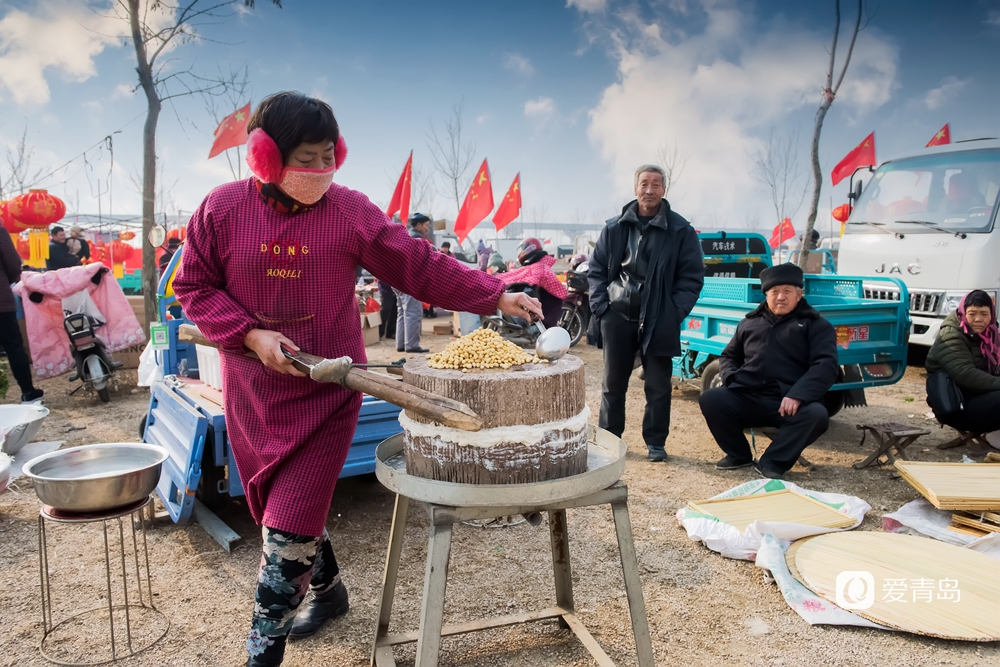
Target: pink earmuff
point(264, 157)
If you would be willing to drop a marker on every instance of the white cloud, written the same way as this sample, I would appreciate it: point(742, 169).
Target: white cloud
point(518, 63)
point(949, 87)
point(710, 93)
point(588, 5)
point(123, 90)
point(60, 36)
point(540, 111)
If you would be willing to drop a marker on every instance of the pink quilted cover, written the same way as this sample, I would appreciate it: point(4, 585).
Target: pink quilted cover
point(50, 354)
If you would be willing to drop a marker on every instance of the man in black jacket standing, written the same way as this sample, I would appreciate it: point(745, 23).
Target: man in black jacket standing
point(645, 276)
point(778, 365)
point(59, 254)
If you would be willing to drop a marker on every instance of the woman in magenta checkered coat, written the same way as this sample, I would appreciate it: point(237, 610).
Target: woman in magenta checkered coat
point(270, 261)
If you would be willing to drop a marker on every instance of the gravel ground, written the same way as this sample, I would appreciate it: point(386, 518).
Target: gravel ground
point(703, 609)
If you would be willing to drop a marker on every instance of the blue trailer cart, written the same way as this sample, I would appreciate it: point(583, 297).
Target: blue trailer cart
point(188, 419)
point(734, 255)
point(871, 334)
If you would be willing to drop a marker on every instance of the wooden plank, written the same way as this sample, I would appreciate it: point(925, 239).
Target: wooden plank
point(777, 506)
point(475, 626)
point(589, 643)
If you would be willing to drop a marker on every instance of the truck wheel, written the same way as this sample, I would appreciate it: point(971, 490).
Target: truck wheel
point(710, 376)
point(142, 426)
point(833, 401)
point(211, 475)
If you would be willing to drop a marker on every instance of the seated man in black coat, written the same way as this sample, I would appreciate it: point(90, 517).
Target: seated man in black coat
point(779, 364)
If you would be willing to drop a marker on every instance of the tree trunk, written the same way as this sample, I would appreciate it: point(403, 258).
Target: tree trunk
point(146, 81)
point(817, 186)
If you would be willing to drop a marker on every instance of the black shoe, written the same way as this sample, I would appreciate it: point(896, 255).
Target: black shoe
point(399, 349)
point(732, 463)
point(767, 471)
point(320, 609)
point(272, 655)
point(657, 456)
point(32, 396)
point(418, 350)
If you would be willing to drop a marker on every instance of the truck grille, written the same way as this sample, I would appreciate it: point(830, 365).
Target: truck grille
point(921, 303)
point(925, 303)
point(882, 294)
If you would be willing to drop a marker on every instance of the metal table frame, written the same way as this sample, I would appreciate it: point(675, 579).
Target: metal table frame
point(134, 514)
point(442, 519)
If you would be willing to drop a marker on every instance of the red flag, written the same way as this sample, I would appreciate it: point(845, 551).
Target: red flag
point(401, 195)
point(942, 137)
point(782, 232)
point(232, 131)
point(477, 205)
point(510, 207)
point(863, 155)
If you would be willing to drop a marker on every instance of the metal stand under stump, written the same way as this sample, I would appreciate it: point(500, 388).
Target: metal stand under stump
point(449, 503)
point(135, 516)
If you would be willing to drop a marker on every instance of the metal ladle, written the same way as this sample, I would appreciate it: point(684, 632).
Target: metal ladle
point(552, 344)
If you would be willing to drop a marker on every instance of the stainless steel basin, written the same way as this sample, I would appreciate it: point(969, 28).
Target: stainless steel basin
point(94, 478)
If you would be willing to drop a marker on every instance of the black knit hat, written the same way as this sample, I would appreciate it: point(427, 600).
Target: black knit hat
point(416, 219)
point(782, 274)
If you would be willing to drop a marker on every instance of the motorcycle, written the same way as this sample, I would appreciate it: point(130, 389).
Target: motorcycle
point(517, 330)
point(93, 365)
point(576, 306)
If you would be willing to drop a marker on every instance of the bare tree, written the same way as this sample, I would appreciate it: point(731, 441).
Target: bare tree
point(157, 26)
point(829, 94)
point(451, 154)
point(673, 160)
point(422, 197)
point(776, 166)
point(751, 221)
point(21, 176)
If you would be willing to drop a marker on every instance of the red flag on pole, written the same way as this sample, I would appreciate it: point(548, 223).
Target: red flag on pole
point(782, 232)
point(232, 131)
point(942, 137)
point(400, 201)
point(863, 155)
point(510, 207)
point(477, 205)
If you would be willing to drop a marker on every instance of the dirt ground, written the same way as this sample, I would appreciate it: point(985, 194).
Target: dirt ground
point(703, 609)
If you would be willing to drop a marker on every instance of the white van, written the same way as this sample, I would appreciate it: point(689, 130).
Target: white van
point(929, 219)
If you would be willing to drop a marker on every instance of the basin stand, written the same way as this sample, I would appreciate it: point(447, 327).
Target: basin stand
point(442, 520)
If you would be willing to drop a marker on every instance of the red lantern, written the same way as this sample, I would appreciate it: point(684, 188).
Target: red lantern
point(121, 252)
point(842, 213)
point(179, 233)
point(126, 236)
point(37, 208)
point(24, 248)
point(10, 223)
point(99, 252)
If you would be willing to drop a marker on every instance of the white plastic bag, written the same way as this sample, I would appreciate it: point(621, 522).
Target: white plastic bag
point(150, 369)
point(811, 607)
point(731, 543)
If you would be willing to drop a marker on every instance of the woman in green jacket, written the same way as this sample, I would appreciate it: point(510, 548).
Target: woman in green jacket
point(967, 348)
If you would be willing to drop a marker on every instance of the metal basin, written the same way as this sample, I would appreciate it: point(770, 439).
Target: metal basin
point(95, 478)
point(19, 424)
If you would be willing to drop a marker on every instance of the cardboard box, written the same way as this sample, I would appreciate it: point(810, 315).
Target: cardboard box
point(139, 308)
point(369, 327)
point(130, 355)
point(443, 329)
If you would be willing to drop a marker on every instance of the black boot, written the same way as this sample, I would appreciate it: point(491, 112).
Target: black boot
point(273, 654)
point(318, 610)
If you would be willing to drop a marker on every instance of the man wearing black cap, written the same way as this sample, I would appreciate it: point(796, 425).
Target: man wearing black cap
point(778, 365)
point(410, 311)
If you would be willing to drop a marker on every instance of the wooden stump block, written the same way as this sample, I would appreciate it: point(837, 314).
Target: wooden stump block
point(534, 424)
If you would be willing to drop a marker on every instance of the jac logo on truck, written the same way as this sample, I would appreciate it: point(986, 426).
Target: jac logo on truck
point(846, 335)
point(913, 269)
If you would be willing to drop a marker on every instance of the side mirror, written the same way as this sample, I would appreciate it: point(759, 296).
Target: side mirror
point(855, 194)
point(157, 236)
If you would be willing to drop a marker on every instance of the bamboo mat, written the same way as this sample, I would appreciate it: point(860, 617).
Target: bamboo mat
point(955, 486)
point(963, 586)
point(777, 506)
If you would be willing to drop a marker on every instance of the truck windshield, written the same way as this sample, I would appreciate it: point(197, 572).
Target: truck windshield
point(948, 192)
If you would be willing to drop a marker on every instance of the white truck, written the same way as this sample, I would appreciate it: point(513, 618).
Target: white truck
point(929, 219)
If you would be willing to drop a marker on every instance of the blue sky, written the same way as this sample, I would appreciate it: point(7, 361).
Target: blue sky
point(574, 95)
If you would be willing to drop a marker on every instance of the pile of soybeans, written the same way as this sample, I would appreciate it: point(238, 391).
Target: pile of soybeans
point(483, 348)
